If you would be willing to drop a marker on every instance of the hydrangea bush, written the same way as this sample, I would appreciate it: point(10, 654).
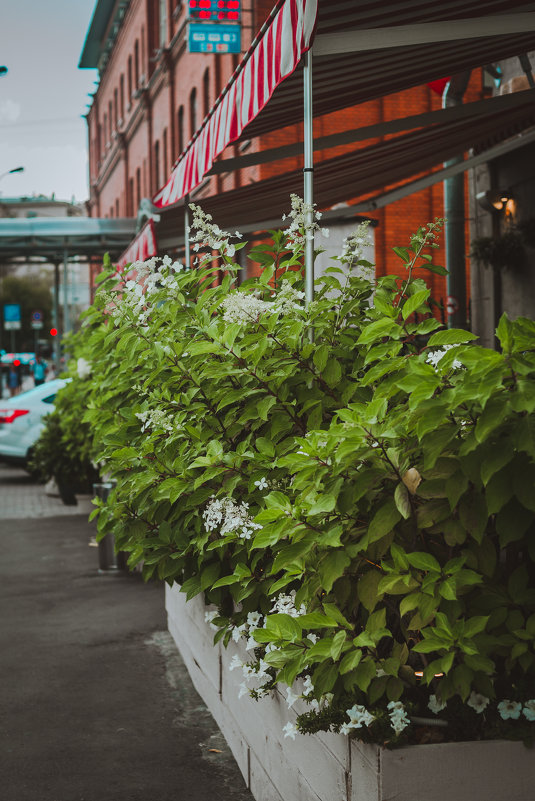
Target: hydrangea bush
point(350, 485)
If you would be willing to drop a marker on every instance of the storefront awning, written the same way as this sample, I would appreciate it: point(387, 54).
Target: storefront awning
point(361, 51)
point(143, 247)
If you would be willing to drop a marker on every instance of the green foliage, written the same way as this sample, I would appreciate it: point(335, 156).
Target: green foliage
point(388, 541)
point(63, 450)
point(33, 294)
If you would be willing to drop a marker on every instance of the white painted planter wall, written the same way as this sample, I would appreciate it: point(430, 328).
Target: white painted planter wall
point(330, 767)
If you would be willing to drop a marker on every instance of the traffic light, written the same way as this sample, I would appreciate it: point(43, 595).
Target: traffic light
point(53, 332)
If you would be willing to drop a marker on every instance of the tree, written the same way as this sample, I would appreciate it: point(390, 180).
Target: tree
point(33, 294)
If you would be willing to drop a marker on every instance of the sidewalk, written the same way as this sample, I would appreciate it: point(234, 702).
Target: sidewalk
point(96, 702)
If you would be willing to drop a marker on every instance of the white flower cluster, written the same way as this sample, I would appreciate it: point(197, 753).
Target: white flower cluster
point(246, 629)
point(155, 419)
point(354, 245)
point(436, 705)
point(285, 604)
point(244, 308)
point(509, 710)
point(240, 307)
point(262, 483)
point(250, 672)
point(230, 518)
point(358, 717)
point(434, 357)
point(209, 234)
point(398, 716)
point(300, 228)
point(134, 295)
point(83, 368)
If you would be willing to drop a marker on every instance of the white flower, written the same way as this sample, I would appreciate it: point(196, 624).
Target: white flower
point(359, 716)
point(509, 709)
point(243, 689)
point(209, 616)
point(291, 697)
point(529, 709)
point(240, 307)
point(253, 620)
point(434, 357)
point(308, 687)
point(354, 245)
point(251, 643)
point(313, 638)
point(346, 728)
point(435, 705)
point(478, 702)
point(285, 604)
point(235, 663)
point(398, 717)
point(262, 483)
point(238, 631)
point(230, 517)
point(262, 669)
point(83, 368)
point(290, 730)
point(286, 300)
point(248, 671)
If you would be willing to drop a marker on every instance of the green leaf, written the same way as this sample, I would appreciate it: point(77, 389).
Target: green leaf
point(350, 661)
point(332, 372)
point(367, 589)
point(413, 303)
point(379, 329)
point(403, 254)
point(263, 407)
point(423, 561)
point(383, 521)
point(504, 332)
point(332, 567)
point(450, 336)
point(339, 641)
point(320, 356)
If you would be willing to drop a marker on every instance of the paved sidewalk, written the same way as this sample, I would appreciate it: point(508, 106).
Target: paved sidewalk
point(95, 702)
point(21, 497)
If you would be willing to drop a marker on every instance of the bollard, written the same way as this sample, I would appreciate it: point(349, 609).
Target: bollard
point(110, 562)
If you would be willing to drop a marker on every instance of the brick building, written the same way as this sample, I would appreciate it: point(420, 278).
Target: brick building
point(153, 95)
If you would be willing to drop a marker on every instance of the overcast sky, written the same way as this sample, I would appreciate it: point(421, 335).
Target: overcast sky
point(43, 97)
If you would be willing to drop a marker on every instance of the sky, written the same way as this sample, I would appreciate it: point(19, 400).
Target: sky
point(43, 97)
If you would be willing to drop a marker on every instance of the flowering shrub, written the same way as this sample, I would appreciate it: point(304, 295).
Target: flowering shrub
point(349, 484)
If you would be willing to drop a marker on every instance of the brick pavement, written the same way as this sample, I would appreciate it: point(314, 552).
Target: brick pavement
point(21, 497)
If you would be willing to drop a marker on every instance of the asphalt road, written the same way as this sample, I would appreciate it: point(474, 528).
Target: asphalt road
point(95, 702)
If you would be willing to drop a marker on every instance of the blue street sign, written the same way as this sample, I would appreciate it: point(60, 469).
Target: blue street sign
point(11, 316)
point(205, 37)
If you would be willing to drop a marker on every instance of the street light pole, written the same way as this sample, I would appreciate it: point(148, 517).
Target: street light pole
point(9, 172)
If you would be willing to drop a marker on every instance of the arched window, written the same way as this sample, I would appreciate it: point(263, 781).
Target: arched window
point(163, 23)
point(156, 166)
point(136, 64)
point(129, 77)
point(193, 111)
point(206, 92)
point(121, 96)
point(180, 130)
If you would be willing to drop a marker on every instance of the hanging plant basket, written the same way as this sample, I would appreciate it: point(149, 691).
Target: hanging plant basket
point(501, 252)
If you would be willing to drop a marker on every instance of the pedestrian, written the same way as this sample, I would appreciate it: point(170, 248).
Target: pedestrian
point(39, 371)
point(13, 380)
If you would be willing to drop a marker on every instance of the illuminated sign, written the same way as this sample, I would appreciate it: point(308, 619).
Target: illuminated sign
point(214, 11)
point(217, 38)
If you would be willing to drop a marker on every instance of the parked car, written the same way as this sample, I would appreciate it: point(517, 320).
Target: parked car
point(21, 420)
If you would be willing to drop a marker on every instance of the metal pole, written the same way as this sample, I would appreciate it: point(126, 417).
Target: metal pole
point(66, 321)
point(187, 249)
point(308, 176)
point(55, 315)
point(454, 213)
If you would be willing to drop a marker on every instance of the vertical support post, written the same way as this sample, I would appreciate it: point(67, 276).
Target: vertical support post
point(66, 320)
point(187, 248)
point(308, 177)
point(55, 315)
point(454, 212)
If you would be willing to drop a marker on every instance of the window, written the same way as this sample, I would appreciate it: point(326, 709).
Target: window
point(157, 165)
point(129, 76)
point(130, 209)
point(115, 108)
point(105, 133)
point(193, 111)
point(138, 187)
point(49, 399)
point(180, 130)
point(121, 96)
point(136, 64)
point(164, 155)
point(163, 23)
point(206, 92)
point(117, 207)
point(110, 121)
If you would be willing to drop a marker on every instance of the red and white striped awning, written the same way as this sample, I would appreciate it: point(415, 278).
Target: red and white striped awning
point(361, 51)
point(142, 248)
point(272, 57)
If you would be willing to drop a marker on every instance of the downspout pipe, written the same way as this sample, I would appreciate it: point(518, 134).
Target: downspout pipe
point(454, 212)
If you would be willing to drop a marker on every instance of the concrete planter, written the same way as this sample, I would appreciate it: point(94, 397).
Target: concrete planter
point(331, 767)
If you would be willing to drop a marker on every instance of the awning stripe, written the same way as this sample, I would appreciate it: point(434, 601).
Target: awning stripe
point(142, 248)
point(282, 45)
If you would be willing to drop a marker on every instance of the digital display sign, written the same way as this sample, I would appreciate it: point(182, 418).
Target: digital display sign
point(214, 10)
point(217, 38)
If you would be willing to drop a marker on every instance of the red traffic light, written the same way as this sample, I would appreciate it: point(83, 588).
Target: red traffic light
point(16, 362)
point(53, 332)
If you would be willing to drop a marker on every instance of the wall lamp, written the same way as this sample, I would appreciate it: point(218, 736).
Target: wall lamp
point(497, 200)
